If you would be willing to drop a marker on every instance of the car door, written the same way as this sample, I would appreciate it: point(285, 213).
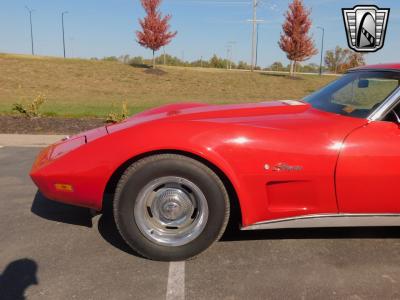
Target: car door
point(368, 169)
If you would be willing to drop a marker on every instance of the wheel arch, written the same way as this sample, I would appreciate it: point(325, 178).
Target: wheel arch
point(236, 210)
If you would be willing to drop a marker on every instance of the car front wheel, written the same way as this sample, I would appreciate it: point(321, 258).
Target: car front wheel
point(170, 207)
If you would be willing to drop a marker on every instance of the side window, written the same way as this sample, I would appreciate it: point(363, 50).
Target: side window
point(365, 93)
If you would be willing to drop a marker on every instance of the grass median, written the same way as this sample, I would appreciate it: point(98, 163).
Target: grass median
point(91, 88)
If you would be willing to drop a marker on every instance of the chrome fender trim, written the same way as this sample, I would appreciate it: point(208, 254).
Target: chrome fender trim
point(385, 107)
point(329, 220)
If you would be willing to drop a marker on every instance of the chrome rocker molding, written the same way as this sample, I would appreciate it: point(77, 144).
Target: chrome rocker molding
point(329, 220)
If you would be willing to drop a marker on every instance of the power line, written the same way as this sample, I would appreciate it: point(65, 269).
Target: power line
point(214, 2)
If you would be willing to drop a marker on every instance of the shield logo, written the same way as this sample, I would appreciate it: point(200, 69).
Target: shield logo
point(366, 27)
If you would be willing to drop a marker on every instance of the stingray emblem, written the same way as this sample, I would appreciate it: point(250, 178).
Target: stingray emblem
point(285, 167)
point(366, 27)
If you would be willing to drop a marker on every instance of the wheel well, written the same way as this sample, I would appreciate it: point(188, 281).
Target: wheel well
point(236, 214)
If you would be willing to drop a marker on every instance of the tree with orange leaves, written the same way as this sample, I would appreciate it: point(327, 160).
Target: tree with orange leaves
point(295, 40)
point(155, 28)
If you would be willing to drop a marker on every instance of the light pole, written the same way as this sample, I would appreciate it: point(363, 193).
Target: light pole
point(256, 62)
point(322, 49)
point(30, 20)
point(63, 32)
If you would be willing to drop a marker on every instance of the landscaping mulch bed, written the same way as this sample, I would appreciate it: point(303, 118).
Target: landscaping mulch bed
point(47, 125)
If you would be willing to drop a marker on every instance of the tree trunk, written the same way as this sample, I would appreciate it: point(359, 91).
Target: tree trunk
point(154, 60)
point(165, 59)
point(291, 68)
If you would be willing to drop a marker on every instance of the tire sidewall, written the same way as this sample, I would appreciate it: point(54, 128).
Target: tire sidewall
point(145, 172)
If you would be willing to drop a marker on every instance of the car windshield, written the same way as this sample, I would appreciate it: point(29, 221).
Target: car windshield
point(356, 94)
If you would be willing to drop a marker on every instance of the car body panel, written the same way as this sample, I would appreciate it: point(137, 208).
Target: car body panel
point(387, 66)
point(280, 157)
point(368, 170)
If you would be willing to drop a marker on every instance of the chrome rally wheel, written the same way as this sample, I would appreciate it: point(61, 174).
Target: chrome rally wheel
point(170, 207)
point(171, 211)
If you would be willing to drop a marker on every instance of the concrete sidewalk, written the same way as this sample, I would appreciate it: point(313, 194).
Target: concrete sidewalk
point(28, 140)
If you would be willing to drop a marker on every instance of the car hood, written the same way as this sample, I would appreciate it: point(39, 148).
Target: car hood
point(232, 113)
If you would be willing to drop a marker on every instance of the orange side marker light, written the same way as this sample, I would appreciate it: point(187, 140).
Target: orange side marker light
point(62, 187)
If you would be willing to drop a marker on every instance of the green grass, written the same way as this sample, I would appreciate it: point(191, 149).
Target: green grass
point(368, 97)
point(76, 88)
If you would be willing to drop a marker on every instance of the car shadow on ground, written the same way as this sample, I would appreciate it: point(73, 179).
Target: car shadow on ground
point(68, 214)
point(80, 216)
point(109, 231)
point(59, 212)
point(17, 277)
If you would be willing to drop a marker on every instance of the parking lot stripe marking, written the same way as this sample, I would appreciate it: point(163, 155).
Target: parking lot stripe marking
point(176, 281)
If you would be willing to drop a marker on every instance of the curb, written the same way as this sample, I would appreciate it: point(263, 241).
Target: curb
point(28, 140)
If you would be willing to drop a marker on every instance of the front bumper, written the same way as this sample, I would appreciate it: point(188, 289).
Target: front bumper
point(61, 171)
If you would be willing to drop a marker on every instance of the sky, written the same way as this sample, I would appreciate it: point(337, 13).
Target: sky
point(99, 28)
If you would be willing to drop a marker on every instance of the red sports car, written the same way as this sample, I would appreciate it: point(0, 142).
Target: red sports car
point(179, 171)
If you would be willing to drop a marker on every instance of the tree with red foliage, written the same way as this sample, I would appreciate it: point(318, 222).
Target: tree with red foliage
point(295, 40)
point(155, 28)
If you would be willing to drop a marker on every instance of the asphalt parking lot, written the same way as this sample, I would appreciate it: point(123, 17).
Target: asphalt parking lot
point(54, 251)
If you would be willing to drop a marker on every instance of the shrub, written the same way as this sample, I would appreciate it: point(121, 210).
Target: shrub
point(138, 62)
point(31, 110)
point(110, 58)
point(116, 117)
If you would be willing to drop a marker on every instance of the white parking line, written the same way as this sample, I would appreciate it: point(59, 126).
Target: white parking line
point(176, 281)
point(26, 140)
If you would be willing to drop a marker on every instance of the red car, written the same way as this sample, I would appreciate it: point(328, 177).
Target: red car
point(178, 172)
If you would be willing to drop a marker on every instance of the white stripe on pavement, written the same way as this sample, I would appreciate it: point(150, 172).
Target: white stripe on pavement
point(28, 140)
point(176, 281)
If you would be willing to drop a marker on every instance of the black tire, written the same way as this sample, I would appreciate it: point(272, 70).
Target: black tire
point(139, 174)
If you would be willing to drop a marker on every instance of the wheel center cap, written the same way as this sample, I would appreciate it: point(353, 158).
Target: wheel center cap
point(172, 206)
point(171, 210)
